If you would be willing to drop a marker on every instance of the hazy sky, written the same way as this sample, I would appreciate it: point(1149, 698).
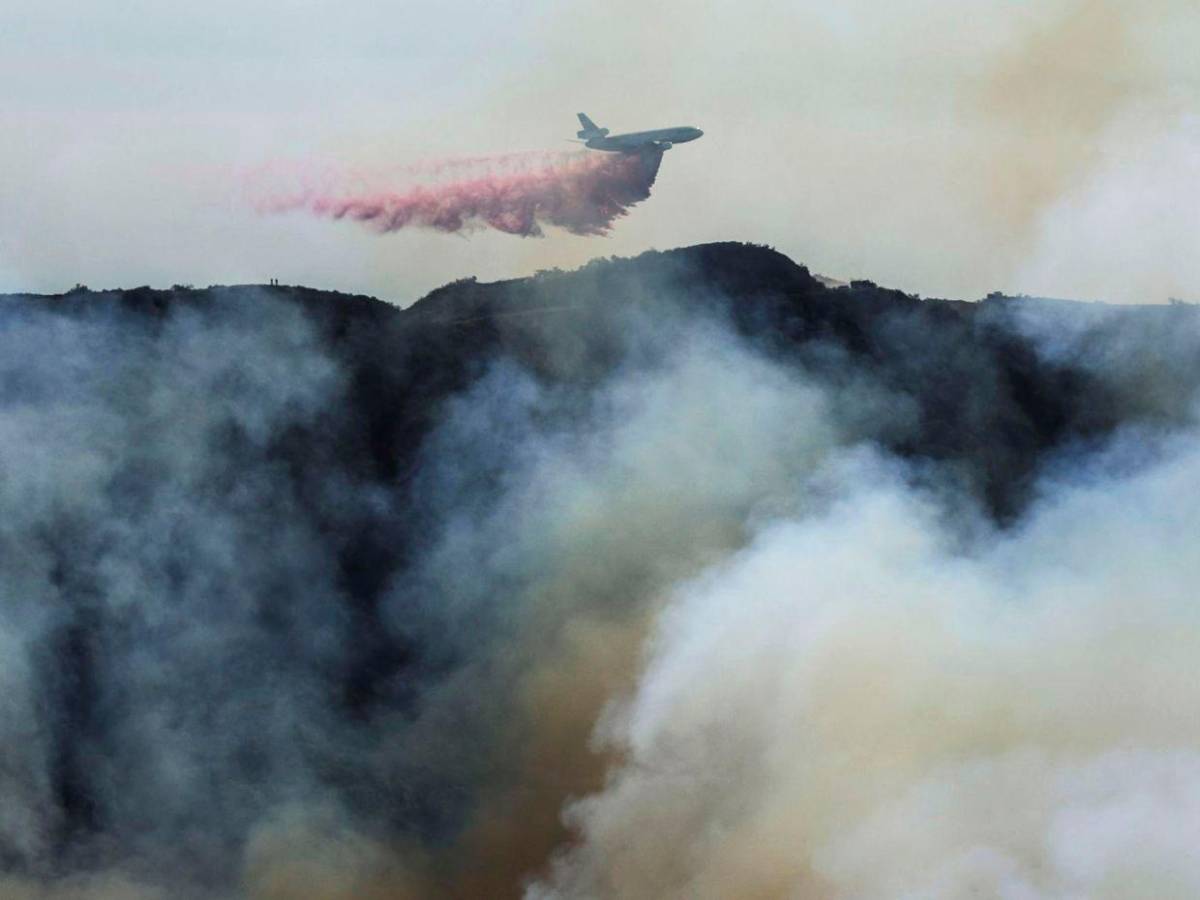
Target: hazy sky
point(947, 147)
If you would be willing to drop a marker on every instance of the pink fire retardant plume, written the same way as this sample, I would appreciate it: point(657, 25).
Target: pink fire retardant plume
point(581, 192)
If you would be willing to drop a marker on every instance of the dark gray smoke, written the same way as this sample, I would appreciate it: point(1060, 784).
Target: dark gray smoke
point(308, 597)
point(173, 616)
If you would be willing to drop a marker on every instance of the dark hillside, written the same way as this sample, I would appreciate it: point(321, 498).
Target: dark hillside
point(222, 509)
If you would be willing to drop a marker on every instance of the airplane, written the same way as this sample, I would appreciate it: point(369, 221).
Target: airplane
point(635, 142)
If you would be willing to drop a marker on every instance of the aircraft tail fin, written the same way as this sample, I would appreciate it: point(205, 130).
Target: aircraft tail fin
point(590, 129)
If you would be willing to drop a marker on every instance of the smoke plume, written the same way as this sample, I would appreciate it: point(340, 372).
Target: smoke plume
point(675, 577)
point(583, 193)
point(855, 706)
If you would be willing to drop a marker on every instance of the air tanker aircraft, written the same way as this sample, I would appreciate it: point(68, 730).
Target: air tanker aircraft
point(635, 142)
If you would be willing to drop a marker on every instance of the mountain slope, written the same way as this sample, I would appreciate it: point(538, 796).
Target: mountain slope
point(269, 546)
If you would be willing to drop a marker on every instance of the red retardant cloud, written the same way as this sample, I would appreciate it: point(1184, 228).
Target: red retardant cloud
point(583, 193)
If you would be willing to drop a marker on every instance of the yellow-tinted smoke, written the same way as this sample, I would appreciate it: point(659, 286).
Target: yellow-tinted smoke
point(657, 503)
point(1051, 95)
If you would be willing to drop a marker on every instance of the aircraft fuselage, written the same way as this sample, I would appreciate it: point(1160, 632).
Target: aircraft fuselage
point(635, 141)
point(639, 140)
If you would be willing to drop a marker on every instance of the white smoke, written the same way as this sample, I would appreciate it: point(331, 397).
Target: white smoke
point(1128, 231)
point(857, 706)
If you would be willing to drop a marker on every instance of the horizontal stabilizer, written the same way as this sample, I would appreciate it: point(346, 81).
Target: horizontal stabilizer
point(590, 129)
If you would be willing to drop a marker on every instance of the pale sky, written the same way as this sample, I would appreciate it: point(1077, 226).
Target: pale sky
point(946, 147)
